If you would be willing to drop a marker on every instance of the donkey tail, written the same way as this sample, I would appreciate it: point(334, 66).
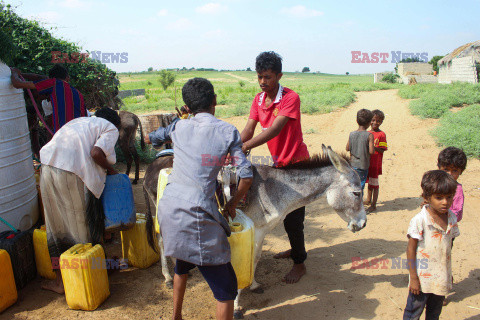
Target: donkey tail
point(142, 140)
point(149, 227)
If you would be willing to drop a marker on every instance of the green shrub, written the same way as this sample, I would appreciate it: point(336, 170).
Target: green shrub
point(390, 78)
point(166, 79)
point(147, 156)
point(241, 83)
point(461, 129)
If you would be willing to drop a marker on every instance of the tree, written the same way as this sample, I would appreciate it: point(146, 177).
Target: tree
point(306, 69)
point(28, 46)
point(434, 62)
point(150, 69)
point(248, 69)
point(166, 78)
point(347, 73)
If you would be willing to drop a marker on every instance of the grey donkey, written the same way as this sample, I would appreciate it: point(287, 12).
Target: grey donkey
point(277, 191)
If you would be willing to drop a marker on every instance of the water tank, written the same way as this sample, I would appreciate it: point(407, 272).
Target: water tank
point(18, 194)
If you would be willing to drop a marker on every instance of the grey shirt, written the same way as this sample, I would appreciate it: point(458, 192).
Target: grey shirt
point(359, 153)
point(192, 228)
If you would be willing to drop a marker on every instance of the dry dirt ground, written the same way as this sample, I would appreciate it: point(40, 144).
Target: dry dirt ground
point(331, 289)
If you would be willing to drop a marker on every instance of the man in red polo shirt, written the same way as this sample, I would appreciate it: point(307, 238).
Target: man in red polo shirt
point(278, 111)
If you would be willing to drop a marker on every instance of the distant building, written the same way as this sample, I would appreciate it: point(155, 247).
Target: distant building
point(416, 72)
point(460, 64)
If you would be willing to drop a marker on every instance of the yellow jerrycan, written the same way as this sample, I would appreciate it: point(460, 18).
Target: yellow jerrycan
point(8, 290)
point(162, 183)
point(242, 241)
point(84, 273)
point(135, 248)
point(42, 256)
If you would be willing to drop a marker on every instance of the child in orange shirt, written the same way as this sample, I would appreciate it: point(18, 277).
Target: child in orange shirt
point(375, 169)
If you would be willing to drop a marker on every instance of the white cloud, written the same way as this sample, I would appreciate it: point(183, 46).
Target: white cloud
point(75, 4)
point(301, 12)
point(162, 13)
point(180, 24)
point(214, 34)
point(211, 8)
point(46, 17)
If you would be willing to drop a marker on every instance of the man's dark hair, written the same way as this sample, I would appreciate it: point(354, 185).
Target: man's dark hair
point(268, 60)
point(379, 113)
point(58, 71)
point(452, 156)
point(438, 182)
point(364, 117)
point(110, 115)
point(198, 94)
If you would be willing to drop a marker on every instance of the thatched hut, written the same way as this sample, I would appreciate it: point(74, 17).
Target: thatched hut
point(461, 64)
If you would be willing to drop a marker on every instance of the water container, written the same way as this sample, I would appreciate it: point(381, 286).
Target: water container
point(18, 195)
point(42, 256)
point(118, 204)
point(19, 246)
point(135, 248)
point(8, 290)
point(162, 183)
point(84, 275)
point(242, 242)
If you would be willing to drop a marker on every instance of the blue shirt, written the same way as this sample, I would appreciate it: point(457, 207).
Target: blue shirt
point(192, 228)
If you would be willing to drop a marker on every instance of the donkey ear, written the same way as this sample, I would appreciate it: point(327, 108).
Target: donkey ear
point(338, 162)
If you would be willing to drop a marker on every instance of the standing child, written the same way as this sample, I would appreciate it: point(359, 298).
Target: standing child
point(375, 169)
point(193, 230)
point(454, 161)
point(360, 145)
point(430, 236)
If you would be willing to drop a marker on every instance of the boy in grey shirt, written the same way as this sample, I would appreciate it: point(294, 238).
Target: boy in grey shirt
point(360, 145)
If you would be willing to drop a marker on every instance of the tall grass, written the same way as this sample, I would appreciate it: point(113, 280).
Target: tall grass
point(319, 93)
point(434, 100)
point(461, 129)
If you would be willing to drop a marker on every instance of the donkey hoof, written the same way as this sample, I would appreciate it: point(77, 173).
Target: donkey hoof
point(238, 314)
point(258, 290)
point(134, 181)
point(169, 284)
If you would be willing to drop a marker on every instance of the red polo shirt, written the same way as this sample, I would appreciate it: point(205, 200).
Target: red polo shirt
point(288, 146)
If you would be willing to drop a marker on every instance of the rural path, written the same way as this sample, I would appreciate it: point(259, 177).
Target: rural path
point(331, 289)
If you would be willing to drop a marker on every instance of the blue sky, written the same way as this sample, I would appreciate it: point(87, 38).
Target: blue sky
point(228, 34)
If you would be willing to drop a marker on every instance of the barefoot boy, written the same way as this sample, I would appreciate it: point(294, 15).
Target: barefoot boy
point(375, 169)
point(430, 235)
point(360, 145)
point(278, 111)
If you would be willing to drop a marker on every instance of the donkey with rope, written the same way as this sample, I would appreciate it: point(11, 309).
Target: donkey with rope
point(277, 191)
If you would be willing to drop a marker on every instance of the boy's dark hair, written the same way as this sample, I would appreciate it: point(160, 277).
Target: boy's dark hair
point(58, 71)
point(110, 115)
point(452, 156)
point(268, 60)
point(438, 182)
point(379, 113)
point(198, 94)
point(364, 117)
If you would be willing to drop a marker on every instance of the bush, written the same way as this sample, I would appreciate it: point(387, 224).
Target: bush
point(28, 46)
point(166, 79)
point(241, 83)
point(460, 129)
point(390, 78)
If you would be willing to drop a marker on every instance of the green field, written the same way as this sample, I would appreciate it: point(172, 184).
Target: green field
point(320, 93)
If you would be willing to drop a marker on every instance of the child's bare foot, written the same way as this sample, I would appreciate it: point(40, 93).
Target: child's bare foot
point(445, 301)
point(366, 203)
point(282, 255)
point(54, 286)
point(371, 209)
point(297, 272)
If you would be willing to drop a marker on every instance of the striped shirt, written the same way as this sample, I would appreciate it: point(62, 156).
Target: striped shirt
point(67, 101)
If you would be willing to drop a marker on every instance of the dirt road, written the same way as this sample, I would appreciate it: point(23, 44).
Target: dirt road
point(331, 289)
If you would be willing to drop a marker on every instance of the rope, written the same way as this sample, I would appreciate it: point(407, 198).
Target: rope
point(9, 225)
point(36, 108)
